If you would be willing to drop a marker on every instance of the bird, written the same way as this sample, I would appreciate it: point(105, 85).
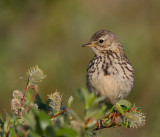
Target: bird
point(109, 73)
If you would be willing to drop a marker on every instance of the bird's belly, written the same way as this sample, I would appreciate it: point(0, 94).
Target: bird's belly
point(114, 87)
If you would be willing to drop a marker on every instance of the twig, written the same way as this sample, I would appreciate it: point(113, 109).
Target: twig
point(59, 113)
point(88, 121)
point(112, 116)
point(35, 89)
point(27, 86)
point(23, 99)
point(131, 110)
point(107, 126)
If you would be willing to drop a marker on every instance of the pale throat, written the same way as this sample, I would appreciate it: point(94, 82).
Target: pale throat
point(104, 51)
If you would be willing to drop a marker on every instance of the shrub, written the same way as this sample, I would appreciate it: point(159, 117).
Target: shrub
point(32, 118)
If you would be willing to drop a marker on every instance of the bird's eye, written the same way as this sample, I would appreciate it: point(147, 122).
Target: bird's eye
point(101, 41)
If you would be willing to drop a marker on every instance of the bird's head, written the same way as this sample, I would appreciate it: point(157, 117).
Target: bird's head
point(104, 40)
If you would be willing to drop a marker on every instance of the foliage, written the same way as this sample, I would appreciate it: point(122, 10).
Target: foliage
point(33, 118)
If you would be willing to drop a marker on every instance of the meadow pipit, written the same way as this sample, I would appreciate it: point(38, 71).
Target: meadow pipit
point(109, 73)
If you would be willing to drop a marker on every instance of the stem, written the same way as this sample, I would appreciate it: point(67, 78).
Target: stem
point(35, 89)
point(88, 121)
point(59, 113)
point(27, 86)
point(107, 126)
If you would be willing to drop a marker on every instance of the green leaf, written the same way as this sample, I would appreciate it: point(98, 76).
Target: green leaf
point(120, 109)
point(107, 121)
point(125, 109)
point(43, 120)
point(33, 134)
point(29, 98)
point(1, 118)
point(38, 121)
point(89, 100)
point(125, 124)
point(80, 93)
point(125, 103)
point(7, 121)
point(19, 121)
point(99, 99)
point(12, 132)
point(30, 120)
point(49, 132)
point(134, 105)
point(86, 97)
point(70, 100)
point(66, 132)
point(110, 108)
point(96, 112)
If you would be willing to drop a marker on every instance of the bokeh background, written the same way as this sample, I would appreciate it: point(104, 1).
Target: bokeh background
point(49, 33)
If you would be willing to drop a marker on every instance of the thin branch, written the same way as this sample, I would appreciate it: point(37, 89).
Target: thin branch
point(27, 87)
point(107, 126)
point(88, 121)
point(59, 113)
point(112, 116)
point(35, 89)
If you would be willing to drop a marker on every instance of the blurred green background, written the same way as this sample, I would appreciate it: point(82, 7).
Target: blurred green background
point(49, 33)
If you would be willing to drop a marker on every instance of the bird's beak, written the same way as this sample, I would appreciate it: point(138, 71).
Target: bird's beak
point(89, 45)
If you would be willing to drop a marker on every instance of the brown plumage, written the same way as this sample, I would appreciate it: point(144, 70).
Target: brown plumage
point(109, 73)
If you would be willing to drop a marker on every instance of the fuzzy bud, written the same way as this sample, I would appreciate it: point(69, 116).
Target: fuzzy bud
point(135, 119)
